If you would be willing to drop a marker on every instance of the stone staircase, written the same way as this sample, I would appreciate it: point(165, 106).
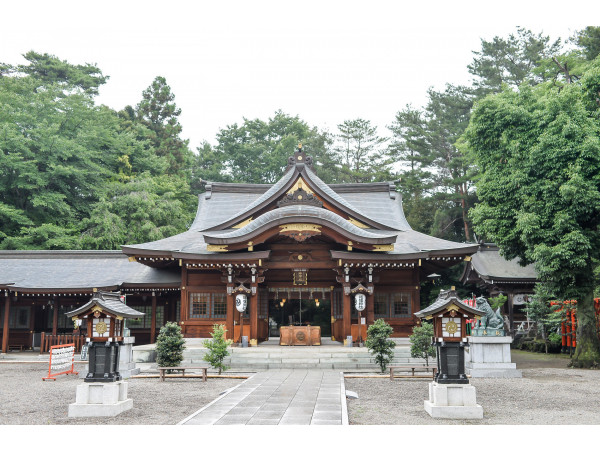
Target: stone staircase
point(318, 357)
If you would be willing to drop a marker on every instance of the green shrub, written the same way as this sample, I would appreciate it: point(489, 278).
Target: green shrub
point(217, 348)
point(421, 342)
point(169, 345)
point(379, 344)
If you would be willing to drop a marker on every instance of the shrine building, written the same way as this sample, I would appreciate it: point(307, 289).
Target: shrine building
point(300, 249)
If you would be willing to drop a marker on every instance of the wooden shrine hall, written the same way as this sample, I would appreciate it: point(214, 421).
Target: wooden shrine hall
point(299, 248)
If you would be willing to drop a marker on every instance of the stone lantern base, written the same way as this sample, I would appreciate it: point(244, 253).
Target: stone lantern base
point(100, 400)
point(453, 401)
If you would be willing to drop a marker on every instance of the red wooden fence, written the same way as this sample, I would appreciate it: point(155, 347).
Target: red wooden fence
point(49, 340)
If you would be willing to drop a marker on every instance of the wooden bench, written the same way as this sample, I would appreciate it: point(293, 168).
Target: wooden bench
point(412, 368)
point(162, 370)
point(15, 347)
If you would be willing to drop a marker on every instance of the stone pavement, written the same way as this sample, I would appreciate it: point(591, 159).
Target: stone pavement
point(280, 397)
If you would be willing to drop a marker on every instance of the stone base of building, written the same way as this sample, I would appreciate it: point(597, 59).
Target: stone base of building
point(453, 401)
point(489, 357)
point(100, 400)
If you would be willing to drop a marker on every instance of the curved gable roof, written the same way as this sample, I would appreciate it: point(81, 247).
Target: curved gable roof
point(298, 213)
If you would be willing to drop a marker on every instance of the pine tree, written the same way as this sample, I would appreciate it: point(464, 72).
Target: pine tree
point(217, 348)
point(169, 345)
point(379, 344)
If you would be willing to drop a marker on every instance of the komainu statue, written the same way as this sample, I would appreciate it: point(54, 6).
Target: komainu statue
point(492, 324)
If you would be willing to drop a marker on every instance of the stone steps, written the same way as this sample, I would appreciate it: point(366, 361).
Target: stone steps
point(263, 357)
point(258, 358)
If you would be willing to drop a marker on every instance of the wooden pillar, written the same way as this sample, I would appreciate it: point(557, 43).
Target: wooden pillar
point(230, 310)
point(32, 322)
point(184, 299)
point(153, 320)
point(5, 333)
point(370, 310)
point(254, 316)
point(511, 322)
point(55, 316)
point(347, 315)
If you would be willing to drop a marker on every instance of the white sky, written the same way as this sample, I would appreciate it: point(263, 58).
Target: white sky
point(325, 61)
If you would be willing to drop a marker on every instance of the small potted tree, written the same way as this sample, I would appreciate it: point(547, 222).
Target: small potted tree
point(169, 345)
point(217, 348)
point(421, 342)
point(379, 343)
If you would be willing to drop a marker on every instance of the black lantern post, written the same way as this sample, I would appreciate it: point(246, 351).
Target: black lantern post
point(104, 315)
point(450, 317)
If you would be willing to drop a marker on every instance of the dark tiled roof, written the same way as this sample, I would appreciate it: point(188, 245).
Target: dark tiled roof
point(445, 299)
point(109, 302)
point(377, 205)
point(489, 264)
point(77, 270)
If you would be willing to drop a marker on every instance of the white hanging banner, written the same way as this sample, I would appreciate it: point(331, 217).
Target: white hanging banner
point(360, 301)
point(241, 301)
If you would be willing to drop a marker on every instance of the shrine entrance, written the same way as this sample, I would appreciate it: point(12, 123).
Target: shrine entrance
point(299, 306)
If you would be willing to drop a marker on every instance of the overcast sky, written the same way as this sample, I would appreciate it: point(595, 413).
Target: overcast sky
point(325, 61)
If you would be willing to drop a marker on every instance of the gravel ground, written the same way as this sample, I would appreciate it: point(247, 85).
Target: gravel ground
point(548, 394)
point(27, 400)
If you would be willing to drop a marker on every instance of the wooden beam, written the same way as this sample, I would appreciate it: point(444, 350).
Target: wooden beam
point(5, 333)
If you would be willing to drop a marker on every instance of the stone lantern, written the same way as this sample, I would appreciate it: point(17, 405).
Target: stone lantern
point(450, 395)
point(105, 394)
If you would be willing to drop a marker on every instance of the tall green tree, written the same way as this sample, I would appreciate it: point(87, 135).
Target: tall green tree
point(510, 60)
point(538, 150)
point(361, 151)
point(159, 113)
point(48, 69)
point(257, 151)
point(141, 210)
point(588, 41)
point(437, 176)
point(53, 155)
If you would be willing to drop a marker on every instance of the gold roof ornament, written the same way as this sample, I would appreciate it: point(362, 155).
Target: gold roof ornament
point(243, 224)
point(216, 248)
point(356, 223)
point(383, 248)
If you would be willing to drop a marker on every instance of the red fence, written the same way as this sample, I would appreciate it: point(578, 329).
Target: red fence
point(568, 327)
point(49, 340)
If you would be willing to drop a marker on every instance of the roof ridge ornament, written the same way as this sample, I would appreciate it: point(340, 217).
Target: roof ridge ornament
point(299, 160)
point(300, 195)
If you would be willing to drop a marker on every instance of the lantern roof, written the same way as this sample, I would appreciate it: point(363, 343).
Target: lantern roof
point(445, 300)
point(109, 302)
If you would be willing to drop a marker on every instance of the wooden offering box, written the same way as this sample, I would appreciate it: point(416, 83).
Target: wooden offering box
point(306, 335)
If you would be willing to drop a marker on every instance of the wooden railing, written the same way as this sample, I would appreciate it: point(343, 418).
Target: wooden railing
point(48, 340)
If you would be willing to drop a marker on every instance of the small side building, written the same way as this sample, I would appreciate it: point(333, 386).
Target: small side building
point(489, 270)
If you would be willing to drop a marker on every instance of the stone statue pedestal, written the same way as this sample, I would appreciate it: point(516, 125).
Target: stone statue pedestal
point(100, 400)
point(489, 357)
point(453, 401)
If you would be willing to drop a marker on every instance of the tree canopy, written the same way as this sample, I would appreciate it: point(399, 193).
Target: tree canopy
point(538, 149)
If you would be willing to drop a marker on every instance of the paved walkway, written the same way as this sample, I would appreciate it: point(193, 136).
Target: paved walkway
point(280, 397)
